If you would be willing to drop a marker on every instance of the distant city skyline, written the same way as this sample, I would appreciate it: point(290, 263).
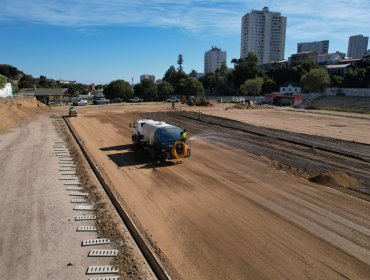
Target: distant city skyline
point(101, 41)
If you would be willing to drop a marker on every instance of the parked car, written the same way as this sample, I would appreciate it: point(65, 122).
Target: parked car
point(173, 99)
point(101, 100)
point(81, 102)
point(117, 100)
point(136, 99)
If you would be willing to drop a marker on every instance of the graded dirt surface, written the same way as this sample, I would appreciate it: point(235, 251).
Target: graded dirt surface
point(345, 126)
point(229, 212)
point(39, 237)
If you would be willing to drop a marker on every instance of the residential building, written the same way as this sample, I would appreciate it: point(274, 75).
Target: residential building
point(147, 77)
point(354, 62)
point(263, 33)
point(301, 57)
point(321, 47)
point(60, 81)
point(357, 46)
point(338, 69)
point(331, 58)
point(6, 91)
point(276, 65)
point(213, 59)
point(290, 88)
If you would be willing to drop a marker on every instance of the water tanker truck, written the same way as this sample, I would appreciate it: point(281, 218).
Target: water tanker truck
point(161, 139)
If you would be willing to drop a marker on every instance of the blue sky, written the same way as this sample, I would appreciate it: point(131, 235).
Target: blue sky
point(100, 41)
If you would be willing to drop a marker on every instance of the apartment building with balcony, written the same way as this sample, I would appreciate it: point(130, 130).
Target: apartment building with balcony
point(213, 59)
point(263, 33)
point(320, 47)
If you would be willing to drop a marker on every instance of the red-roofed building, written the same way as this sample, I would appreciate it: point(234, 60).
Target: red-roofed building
point(283, 99)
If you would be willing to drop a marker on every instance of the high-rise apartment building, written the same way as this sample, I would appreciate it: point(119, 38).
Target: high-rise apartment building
point(321, 47)
point(213, 59)
point(147, 77)
point(357, 46)
point(263, 33)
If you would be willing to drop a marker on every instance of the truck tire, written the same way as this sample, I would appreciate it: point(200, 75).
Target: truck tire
point(135, 141)
point(152, 153)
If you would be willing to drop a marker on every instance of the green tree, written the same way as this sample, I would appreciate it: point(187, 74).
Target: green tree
point(221, 80)
point(252, 86)
point(234, 61)
point(268, 85)
point(27, 81)
point(164, 90)
point(120, 89)
point(337, 80)
point(316, 80)
point(193, 74)
point(355, 77)
point(246, 69)
point(10, 71)
point(42, 81)
point(171, 76)
point(2, 82)
point(301, 69)
point(180, 61)
point(189, 87)
point(149, 90)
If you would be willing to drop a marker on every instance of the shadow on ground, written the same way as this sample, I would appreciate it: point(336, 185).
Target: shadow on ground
point(140, 158)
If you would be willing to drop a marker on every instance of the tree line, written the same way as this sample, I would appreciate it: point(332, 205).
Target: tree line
point(247, 78)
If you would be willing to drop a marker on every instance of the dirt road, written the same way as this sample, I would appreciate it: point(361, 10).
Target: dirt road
point(229, 214)
point(38, 237)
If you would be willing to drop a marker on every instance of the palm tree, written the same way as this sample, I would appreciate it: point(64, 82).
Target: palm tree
point(234, 61)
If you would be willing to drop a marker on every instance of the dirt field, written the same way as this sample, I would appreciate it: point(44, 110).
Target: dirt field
point(231, 211)
point(14, 111)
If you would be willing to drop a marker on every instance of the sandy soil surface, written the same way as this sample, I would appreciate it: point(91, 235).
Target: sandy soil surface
point(229, 214)
point(38, 237)
point(345, 126)
point(14, 111)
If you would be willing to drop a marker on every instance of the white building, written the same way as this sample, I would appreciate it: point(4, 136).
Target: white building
point(263, 33)
point(213, 59)
point(321, 47)
point(7, 91)
point(290, 88)
point(357, 46)
point(147, 77)
point(331, 58)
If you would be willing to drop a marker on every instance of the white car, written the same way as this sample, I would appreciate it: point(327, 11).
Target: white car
point(136, 99)
point(173, 100)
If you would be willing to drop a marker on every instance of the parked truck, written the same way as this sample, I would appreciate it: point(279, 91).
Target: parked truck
point(161, 139)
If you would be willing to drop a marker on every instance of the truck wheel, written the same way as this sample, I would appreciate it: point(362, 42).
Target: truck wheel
point(135, 141)
point(152, 153)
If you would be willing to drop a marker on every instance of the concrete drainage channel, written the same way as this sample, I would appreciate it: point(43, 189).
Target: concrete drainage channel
point(98, 210)
point(71, 182)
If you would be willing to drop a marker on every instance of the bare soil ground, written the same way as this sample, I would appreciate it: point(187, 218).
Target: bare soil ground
point(38, 237)
point(14, 111)
point(243, 207)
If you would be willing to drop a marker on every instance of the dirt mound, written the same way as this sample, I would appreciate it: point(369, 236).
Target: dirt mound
point(336, 179)
point(13, 111)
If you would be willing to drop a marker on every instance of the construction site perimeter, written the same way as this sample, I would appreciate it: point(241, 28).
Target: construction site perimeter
point(267, 193)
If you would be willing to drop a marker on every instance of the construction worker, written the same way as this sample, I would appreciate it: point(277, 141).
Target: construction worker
point(183, 135)
point(200, 115)
point(173, 105)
